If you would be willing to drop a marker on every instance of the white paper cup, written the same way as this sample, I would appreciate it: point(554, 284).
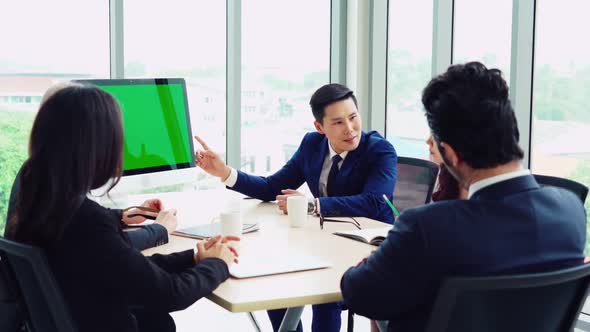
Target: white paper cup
point(297, 210)
point(230, 223)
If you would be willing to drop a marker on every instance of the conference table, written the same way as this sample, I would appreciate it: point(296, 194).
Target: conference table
point(275, 239)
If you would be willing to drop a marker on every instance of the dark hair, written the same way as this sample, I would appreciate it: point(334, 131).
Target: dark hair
point(326, 95)
point(447, 186)
point(468, 108)
point(76, 145)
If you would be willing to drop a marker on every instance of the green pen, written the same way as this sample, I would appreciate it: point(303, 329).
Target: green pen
point(391, 205)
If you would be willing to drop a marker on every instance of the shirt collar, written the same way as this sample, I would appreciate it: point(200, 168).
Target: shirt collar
point(333, 153)
point(474, 187)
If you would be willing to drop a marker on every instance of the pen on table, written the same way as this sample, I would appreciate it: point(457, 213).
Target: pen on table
point(391, 205)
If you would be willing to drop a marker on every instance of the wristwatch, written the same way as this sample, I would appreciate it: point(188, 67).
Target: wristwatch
point(311, 206)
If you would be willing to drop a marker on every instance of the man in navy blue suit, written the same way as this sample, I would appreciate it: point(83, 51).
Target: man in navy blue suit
point(347, 170)
point(508, 225)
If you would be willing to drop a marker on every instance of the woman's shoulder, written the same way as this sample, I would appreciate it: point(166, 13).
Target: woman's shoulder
point(93, 223)
point(94, 213)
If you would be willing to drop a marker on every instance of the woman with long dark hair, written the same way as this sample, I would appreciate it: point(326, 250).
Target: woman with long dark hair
point(141, 238)
point(76, 146)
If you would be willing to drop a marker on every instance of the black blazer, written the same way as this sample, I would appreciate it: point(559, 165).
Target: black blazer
point(141, 238)
point(102, 275)
point(513, 226)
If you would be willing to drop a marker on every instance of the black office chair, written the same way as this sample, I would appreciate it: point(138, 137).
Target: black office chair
point(413, 187)
point(577, 188)
point(549, 301)
point(11, 318)
point(415, 182)
point(36, 289)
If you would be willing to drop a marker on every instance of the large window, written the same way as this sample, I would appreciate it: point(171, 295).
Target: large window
point(561, 126)
point(43, 43)
point(409, 66)
point(285, 58)
point(183, 39)
point(482, 32)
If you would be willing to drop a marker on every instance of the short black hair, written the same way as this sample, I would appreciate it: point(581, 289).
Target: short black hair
point(326, 95)
point(468, 107)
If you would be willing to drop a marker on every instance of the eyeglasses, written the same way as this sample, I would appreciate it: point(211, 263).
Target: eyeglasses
point(353, 221)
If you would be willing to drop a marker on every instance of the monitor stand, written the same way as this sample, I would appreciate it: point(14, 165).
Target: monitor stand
point(118, 197)
point(118, 200)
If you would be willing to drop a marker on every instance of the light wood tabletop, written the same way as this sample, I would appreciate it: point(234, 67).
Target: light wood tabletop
point(275, 239)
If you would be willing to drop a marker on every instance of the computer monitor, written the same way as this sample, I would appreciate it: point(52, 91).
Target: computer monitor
point(158, 145)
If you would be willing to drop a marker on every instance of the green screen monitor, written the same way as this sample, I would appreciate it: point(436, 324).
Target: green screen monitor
point(157, 131)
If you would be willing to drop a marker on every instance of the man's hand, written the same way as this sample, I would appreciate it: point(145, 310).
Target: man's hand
point(155, 204)
point(210, 162)
point(282, 199)
point(167, 219)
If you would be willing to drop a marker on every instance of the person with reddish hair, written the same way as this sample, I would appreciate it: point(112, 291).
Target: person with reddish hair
point(447, 187)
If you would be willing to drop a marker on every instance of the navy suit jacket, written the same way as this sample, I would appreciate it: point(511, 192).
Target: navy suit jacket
point(366, 174)
point(513, 226)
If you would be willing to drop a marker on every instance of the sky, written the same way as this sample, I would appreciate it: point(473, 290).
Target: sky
point(73, 36)
point(54, 36)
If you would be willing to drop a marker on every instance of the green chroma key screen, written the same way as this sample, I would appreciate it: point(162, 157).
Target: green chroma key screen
point(156, 123)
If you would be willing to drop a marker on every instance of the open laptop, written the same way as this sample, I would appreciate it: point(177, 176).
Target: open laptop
point(263, 266)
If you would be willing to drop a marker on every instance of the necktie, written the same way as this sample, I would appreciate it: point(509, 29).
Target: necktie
point(332, 175)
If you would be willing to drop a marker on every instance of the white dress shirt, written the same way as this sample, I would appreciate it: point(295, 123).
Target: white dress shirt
point(232, 178)
point(326, 169)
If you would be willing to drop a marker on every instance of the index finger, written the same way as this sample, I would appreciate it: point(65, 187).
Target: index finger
point(203, 144)
point(230, 238)
point(201, 246)
point(212, 241)
point(233, 251)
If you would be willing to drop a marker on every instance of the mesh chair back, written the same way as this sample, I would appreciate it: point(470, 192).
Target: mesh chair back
point(577, 188)
point(37, 287)
point(415, 182)
point(549, 301)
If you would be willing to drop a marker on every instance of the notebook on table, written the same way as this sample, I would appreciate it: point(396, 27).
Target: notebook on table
point(210, 230)
point(262, 266)
point(373, 236)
